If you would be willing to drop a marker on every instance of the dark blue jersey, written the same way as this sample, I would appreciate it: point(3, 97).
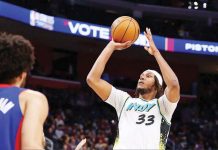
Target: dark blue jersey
point(11, 118)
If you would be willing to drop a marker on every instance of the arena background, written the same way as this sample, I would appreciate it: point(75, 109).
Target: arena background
point(64, 60)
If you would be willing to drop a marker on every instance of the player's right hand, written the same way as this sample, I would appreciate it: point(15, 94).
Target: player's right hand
point(152, 49)
point(119, 46)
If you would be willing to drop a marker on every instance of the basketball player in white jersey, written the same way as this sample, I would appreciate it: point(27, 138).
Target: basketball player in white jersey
point(144, 121)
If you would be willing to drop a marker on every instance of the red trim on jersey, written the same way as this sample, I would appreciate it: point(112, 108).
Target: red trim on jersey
point(18, 136)
point(5, 85)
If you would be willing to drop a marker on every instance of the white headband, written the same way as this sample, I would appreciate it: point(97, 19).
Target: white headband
point(159, 78)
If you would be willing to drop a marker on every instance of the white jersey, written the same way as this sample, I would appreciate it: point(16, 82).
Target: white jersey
point(142, 124)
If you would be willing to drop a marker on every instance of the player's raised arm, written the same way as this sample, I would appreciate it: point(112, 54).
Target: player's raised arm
point(100, 86)
point(172, 90)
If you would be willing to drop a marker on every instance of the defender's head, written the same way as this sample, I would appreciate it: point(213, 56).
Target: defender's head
point(17, 58)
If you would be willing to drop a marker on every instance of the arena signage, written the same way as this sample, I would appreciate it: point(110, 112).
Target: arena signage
point(200, 47)
point(41, 20)
point(84, 29)
point(96, 31)
point(196, 47)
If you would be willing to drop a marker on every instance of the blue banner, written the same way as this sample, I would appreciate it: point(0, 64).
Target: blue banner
point(14, 12)
point(198, 47)
point(84, 29)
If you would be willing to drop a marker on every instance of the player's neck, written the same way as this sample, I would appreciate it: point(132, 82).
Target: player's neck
point(148, 96)
point(18, 82)
point(12, 84)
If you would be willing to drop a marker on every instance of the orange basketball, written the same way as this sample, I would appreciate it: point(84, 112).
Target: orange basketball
point(124, 29)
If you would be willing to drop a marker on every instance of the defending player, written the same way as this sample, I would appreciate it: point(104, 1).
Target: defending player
point(22, 111)
point(144, 121)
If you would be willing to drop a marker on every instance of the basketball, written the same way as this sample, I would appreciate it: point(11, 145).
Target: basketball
point(125, 29)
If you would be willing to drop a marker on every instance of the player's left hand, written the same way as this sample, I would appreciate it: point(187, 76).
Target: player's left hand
point(152, 49)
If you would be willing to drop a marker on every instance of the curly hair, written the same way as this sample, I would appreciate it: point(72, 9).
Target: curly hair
point(16, 56)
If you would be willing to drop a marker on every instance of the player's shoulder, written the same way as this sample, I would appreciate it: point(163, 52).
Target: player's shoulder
point(120, 91)
point(33, 95)
point(33, 99)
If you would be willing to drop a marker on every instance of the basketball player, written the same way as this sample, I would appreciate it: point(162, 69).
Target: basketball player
point(22, 111)
point(144, 121)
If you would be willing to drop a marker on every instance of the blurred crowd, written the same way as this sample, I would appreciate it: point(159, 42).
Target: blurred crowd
point(75, 115)
point(195, 124)
point(78, 115)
